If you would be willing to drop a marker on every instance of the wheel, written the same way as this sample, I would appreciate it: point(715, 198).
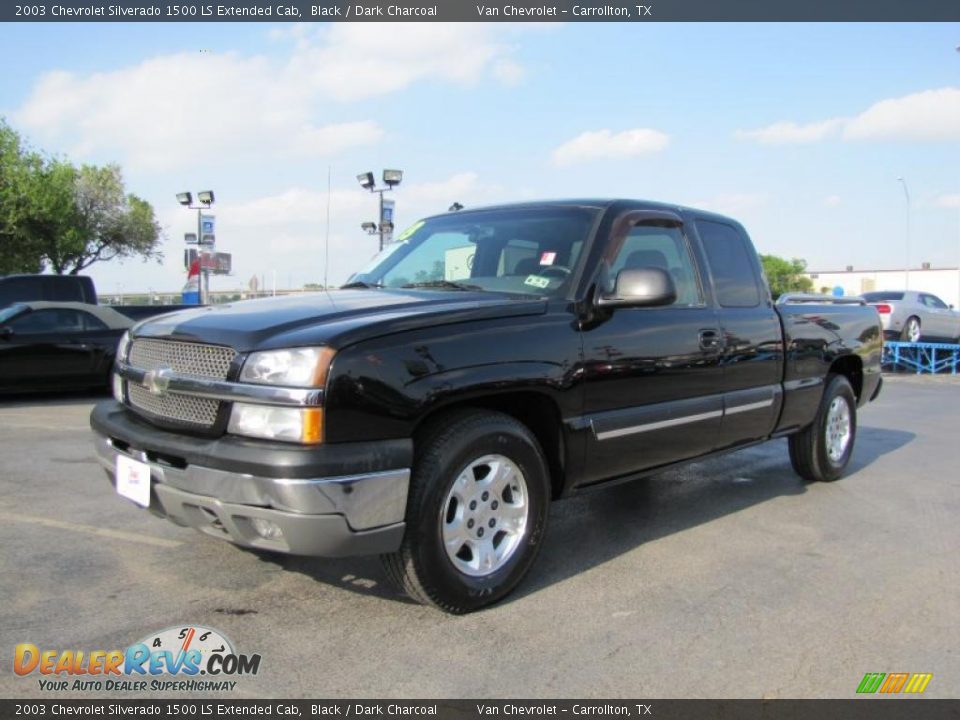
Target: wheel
point(911, 330)
point(476, 512)
point(821, 451)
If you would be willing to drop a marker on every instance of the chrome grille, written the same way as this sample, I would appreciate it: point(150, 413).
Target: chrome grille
point(207, 361)
point(185, 409)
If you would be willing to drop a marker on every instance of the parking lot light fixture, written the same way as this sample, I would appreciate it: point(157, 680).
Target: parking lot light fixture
point(205, 196)
point(185, 198)
point(369, 227)
point(392, 178)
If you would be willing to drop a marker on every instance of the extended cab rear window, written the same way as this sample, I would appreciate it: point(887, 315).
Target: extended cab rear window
point(730, 264)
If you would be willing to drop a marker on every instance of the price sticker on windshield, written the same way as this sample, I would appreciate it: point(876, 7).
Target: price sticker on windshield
point(548, 258)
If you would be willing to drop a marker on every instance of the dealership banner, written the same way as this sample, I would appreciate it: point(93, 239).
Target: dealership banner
point(482, 11)
point(477, 709)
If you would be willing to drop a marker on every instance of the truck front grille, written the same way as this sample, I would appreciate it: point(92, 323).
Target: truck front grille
point(199, 360)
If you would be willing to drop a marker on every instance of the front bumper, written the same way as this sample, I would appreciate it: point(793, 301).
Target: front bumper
point(329, 501)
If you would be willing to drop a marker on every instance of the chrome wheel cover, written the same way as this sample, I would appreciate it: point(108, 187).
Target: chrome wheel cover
point(913, 331)
point(485, 515)
point(839, 429)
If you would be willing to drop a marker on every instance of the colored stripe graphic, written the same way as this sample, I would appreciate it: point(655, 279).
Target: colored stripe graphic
point(918, 682)
point(871, 682)
point(894, 683)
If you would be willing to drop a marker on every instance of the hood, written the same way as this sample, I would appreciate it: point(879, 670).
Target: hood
point(336, 319)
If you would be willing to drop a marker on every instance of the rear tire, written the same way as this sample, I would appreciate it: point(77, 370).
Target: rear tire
point(821, 451)
point(911, 330)
point(476, 512)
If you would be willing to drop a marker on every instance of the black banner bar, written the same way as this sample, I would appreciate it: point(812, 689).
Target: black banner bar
point(482, 11)
point(872, 708)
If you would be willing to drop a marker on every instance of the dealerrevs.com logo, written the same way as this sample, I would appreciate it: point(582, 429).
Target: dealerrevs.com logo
point(182, 659)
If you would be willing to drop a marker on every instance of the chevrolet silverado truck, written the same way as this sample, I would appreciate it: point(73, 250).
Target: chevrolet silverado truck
point(488, 362)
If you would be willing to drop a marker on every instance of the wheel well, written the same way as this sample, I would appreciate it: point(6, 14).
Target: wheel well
point(536, 411)
point(851, 367)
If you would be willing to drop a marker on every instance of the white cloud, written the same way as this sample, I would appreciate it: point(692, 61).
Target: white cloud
point(171, 111)
point(949, 201)
point(931, 115)
point(607, 145)
point(832, 201)
point(782, 133)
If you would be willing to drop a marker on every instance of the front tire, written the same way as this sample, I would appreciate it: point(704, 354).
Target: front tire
point(476, 513)
point(821, 451)
point(911, 330)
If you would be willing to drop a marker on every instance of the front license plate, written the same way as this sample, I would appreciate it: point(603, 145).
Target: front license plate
point(133, 480)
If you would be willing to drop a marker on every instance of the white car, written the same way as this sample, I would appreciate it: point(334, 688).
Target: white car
point(914, 316)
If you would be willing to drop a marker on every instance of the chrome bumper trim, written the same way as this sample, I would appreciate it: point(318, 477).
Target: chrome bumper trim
point(366, 501)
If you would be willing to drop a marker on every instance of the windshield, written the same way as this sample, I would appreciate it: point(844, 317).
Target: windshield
point(530, 251)
point(8, 312)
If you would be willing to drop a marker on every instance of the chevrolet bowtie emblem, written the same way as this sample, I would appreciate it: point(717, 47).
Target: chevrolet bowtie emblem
point(157, 381)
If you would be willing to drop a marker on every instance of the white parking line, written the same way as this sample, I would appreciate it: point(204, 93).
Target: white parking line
point(90, 530)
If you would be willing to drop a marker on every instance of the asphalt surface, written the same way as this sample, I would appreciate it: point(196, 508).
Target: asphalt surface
point(730, 578)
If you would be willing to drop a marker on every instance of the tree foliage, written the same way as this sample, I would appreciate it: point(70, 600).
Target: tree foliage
point(56, 216)
point(785, 275)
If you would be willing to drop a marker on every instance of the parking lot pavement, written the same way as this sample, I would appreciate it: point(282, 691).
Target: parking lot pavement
point(729, 578)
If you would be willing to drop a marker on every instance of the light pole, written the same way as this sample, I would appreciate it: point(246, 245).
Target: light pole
point(906, 194)
point(206, 200)
point(391, 178)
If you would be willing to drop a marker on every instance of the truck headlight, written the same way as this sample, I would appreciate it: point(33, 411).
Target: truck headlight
point(299, 425)
point(123, 347)
point(296, 367)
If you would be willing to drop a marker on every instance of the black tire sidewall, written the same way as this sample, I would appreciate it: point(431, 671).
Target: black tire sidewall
point(838, 387)
point(439, 576)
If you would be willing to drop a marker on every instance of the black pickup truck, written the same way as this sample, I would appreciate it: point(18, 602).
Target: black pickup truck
point(488, 362)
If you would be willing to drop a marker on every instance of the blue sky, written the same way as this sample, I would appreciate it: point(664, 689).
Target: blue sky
point(800, 131)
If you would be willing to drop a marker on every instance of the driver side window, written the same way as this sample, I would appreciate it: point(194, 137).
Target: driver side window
point(665, 248)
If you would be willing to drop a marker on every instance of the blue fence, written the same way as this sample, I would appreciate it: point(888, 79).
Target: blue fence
point(921, 357)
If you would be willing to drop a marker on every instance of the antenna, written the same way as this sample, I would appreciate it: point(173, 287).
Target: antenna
point(326, 249)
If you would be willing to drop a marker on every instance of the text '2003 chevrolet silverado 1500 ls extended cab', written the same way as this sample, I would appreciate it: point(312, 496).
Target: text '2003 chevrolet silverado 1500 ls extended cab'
point(486, 363)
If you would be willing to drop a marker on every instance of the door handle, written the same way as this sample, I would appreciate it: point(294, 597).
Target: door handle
point(710, 339)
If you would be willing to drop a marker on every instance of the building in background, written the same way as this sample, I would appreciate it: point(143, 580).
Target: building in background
point(942, 282)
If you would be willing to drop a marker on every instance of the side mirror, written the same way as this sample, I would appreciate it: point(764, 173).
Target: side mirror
point(640, 287)
point(6, 333)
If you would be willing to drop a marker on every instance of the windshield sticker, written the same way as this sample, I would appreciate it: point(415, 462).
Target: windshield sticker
point(537, 281)
point(548, 258)
point(410, 231)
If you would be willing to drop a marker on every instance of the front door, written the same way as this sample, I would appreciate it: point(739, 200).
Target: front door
point(652, 375)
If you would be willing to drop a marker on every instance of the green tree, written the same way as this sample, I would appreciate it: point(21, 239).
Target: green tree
point(58, 216)
point(17, 167)
point(785, 275)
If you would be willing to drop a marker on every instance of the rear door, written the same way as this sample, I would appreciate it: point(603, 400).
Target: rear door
point(752, 356)
point(652, 374)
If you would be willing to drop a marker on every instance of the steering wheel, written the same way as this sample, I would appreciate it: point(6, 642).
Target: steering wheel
point(554, 271)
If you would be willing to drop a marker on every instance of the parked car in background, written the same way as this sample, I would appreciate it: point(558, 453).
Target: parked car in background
point(54, 288)
point(912, 316)
point(69, 288)
point(52, 346)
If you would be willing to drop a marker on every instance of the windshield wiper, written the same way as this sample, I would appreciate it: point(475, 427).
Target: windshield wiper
point(359, 284)
point(443, 285)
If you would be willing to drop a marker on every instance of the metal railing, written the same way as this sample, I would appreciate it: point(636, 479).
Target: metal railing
point(921, 357)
